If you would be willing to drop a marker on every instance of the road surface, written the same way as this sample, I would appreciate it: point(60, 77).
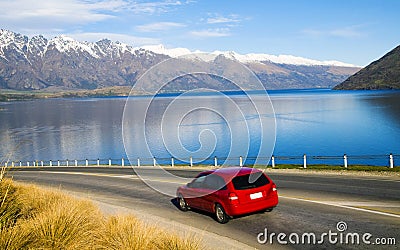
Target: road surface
point(309, 204)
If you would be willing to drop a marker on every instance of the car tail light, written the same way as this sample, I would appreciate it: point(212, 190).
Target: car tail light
point(233, 198)
point(273, 187)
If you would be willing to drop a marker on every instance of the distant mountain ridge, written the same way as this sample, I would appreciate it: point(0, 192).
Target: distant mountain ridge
point(63, 63)
point(249, 58)
point(38, 63)
point(381, 74)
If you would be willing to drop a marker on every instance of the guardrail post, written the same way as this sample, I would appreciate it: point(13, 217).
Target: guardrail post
point(122, 162)
point(41, 163)
point(98, 162)
point(27, 163)
point(67, 162)
point(34, 164)
point(138, 162)
point(304, 161)
point(154, 161)
point(215, 161)
point(273, 161)
point(12, 164)
point(109, 162)
point(20, 163)
point(345, 160)
point(58, 163)
point(172, 162)
point(51, 163)
point(191, 161)
point(6, 164)
point(87, 162)
point(391, 161)
point(76, 163)
point(240, 161)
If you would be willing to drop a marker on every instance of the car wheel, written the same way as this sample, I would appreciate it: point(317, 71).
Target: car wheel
point(182, 203)
point(220, 214)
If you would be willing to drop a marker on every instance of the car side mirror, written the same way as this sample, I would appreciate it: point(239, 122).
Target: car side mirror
point(189, 185)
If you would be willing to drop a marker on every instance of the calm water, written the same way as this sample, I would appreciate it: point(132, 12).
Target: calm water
point(312, 122)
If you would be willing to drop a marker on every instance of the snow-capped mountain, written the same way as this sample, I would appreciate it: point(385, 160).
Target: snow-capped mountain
point(160, 49)
point(248, 58)
point(62, 62)
point(39, 63)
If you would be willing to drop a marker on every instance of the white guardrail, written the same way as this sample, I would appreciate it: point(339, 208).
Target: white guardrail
point(210, 161)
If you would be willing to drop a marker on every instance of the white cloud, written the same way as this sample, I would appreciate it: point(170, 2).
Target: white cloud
point(218, 19)
point(160, 26)
point(66, 11)
point(127, 39)
point(211, 33)
point(153, 7)
point(45, 15)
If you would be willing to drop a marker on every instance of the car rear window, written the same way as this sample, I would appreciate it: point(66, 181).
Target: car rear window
point(244, 181)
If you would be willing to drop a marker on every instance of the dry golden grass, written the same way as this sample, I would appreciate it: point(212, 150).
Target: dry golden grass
point(173, 242)
point(38, 218)
point(16, 237)
point(66, 227)
point(126, 232)
point(9, 204)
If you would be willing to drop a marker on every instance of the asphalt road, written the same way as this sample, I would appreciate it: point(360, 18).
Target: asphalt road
point(309, 203)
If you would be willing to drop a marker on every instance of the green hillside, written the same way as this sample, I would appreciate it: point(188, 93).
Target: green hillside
point(381, 74)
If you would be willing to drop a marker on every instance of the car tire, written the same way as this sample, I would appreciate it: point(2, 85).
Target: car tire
point(220, 214)
point(182, 205)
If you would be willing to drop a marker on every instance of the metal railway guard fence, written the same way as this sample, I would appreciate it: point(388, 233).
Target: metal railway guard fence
point(304, 160)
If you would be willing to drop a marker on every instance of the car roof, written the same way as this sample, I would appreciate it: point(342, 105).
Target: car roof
point(230, 172)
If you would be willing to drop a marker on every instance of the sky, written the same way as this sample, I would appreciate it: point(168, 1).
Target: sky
point(350, 31)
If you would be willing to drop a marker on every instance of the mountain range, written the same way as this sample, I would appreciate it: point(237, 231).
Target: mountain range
point(62, 63)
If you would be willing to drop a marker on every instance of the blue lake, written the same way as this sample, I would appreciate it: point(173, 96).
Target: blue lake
point(365, 125)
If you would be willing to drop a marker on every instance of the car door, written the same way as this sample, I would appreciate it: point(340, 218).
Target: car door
point(195, 191)
point(213, 187)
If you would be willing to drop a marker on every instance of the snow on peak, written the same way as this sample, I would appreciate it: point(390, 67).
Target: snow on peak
point(160, 49)
point(247, 58)
point(281, 59)
point(103, 47)
point(64, 44)
point(8, 37)
point(289, 59)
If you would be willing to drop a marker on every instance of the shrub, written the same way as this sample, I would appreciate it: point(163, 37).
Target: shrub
point(38, 218)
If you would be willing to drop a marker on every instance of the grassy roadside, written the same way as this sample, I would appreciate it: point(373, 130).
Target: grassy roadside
point(39, 218)
point(313, 167)
point(350, 168)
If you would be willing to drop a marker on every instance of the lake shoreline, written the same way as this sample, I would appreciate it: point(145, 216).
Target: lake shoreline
point(12, 95)
point(125, 91)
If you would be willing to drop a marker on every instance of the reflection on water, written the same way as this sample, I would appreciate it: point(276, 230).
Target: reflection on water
point(200, 127)
point(334, 123)
point(62, 129)
point(308, 122)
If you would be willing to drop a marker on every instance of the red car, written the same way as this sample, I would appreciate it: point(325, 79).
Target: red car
point(229, 192)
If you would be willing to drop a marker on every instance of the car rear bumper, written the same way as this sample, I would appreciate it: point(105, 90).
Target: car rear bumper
point(241, 209)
